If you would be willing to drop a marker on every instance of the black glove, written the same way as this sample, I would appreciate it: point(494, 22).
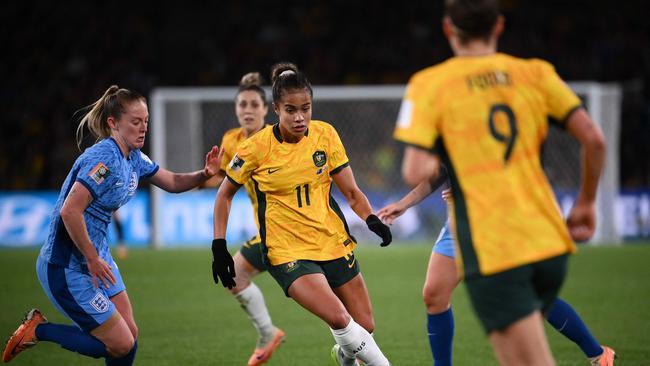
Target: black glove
point(379, 228)
point(223, 267)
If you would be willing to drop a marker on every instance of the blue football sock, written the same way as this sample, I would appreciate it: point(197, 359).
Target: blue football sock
point(123, 361)
point(440, 328)
point(72, 339)
point(563, 318)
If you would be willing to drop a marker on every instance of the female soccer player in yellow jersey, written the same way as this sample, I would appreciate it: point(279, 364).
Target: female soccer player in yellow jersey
point(250, 107)
point(485, 115)
point(442, 279)
point(304, 235)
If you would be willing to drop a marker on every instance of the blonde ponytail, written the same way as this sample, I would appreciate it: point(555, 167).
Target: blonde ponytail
point(111, 104)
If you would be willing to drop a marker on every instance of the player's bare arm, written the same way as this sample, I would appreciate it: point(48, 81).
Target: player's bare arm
point(582, 217)
point(72, 214)
point(181, 182)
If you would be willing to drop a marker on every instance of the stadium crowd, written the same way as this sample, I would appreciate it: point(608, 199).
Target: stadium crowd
point(58, 55)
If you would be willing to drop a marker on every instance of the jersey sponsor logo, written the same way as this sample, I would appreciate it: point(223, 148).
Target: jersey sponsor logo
point(319, 158)
point(271, 171)
point(100, 303)
point(99, 173)
point(236, 163)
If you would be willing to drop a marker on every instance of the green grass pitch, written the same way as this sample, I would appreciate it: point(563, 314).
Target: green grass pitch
point(184, 319)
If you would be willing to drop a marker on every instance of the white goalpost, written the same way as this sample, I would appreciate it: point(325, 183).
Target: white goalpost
point(187, 121)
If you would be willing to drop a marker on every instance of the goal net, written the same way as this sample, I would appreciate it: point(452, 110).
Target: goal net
point(188, 121)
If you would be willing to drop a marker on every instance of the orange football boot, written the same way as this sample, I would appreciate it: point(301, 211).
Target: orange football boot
point(262, 355)
point(606, 359)
point(25, 336)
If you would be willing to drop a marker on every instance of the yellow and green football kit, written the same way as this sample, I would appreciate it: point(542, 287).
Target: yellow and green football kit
point(297, 215)
point(487, 118)
point(251, 249)
point(230, 143)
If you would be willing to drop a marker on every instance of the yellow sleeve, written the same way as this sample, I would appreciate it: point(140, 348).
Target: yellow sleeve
point(243, 163)
point(338, 158)
point(417, 120)
point(561, 101)
point(228, 152)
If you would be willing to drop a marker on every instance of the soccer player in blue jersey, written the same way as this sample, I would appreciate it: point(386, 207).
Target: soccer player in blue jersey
point(75, 266)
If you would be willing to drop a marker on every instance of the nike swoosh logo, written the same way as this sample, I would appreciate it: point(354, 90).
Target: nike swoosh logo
point(350, 265)
point(271, 171)
point(119, 184)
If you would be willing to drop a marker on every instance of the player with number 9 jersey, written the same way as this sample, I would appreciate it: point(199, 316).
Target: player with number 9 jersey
point(487, 117)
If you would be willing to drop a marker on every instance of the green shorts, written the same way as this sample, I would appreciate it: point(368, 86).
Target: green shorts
point(252, 252)
point(336, 271)
point(505, 297)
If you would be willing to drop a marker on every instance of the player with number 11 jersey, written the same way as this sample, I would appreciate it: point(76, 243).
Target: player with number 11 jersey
point(293, 185)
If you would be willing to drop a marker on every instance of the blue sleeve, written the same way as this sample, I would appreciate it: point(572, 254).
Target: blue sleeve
point(146, 167)
point(96, 173)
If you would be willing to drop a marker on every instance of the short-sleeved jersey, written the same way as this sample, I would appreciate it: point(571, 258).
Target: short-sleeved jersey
point(230, 143)
point(112, 180)
point(297, 214)
point(487, 117)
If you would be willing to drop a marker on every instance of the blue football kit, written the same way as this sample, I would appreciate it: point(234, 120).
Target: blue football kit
point(445, 243)
point(62, 270)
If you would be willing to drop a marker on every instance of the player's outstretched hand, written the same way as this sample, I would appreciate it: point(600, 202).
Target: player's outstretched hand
point(213, 161)
point(223, 267)
point(389, 213)
point(582, 221)
point(379, 228)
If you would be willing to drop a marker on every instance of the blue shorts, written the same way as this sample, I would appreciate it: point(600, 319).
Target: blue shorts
point(445, 243)
point(73, 294)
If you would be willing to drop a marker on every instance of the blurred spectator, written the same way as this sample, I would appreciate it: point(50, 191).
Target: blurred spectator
point(56, 54)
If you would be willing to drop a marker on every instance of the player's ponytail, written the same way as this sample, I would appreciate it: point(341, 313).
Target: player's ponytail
point(252, 81)
point(285, 77)
point(112, 103)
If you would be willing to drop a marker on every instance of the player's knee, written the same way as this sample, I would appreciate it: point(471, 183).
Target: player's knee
point(120, 348)
point(339, 319)
point(434, 300)
point(134, 331)
point(242, 282)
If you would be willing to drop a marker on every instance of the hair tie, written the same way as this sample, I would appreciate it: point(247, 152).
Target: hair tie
point(287, 72)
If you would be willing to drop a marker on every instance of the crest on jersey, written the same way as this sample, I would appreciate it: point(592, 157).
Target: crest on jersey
point(99, 173)
point(100, 303)
point(236, 163)
point(291, 266)
point(133, 183)
point(319, 158)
